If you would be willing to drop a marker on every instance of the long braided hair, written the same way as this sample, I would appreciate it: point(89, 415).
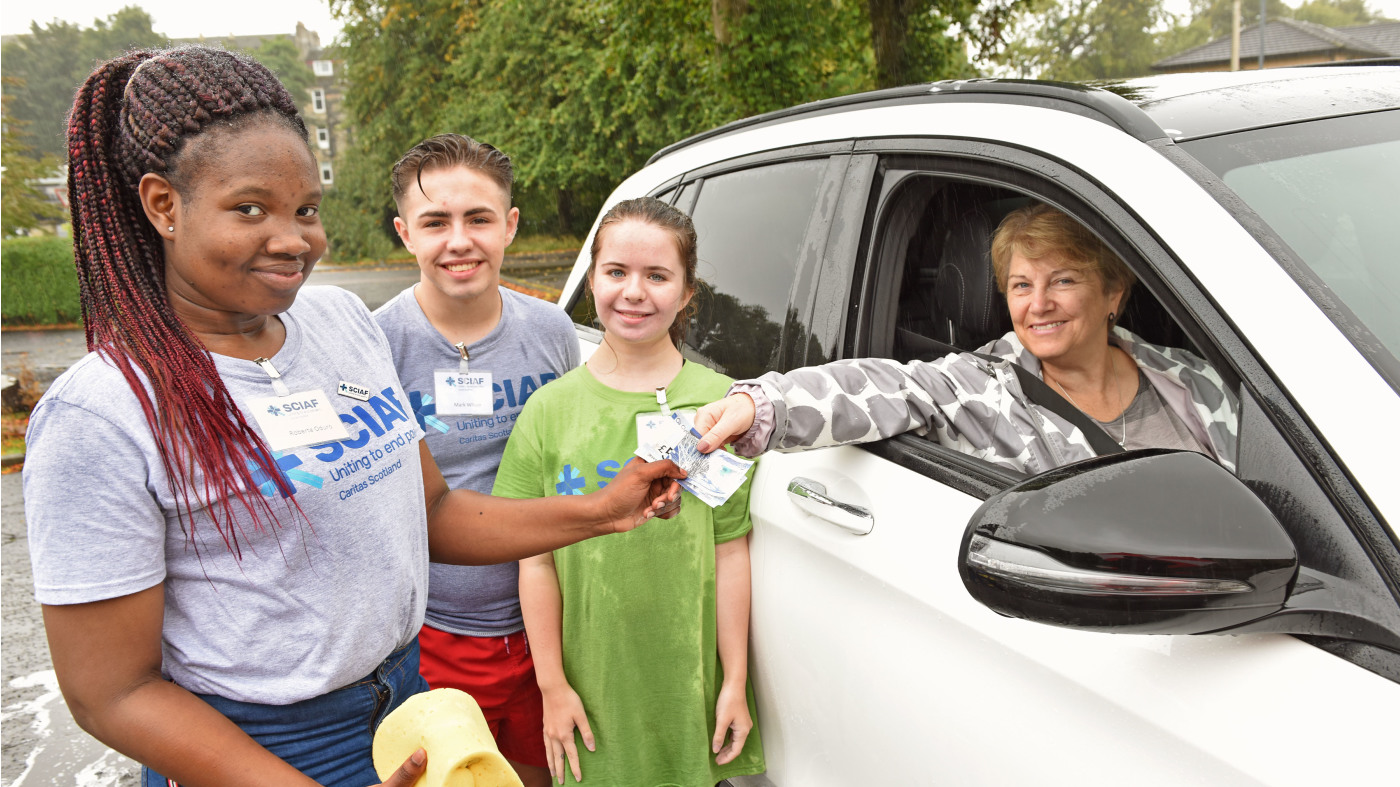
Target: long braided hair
point(134, 115)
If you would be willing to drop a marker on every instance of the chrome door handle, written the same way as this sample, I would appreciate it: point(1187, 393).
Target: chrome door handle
point(810, 496)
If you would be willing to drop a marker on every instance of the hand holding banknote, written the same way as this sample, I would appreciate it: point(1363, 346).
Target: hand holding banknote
point(712, 478)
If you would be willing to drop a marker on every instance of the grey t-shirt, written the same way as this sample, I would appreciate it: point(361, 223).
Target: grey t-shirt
point(1148, 423)
point(313, 604)
point(533, 343)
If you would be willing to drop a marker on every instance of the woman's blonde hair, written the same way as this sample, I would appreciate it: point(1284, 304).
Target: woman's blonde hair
point(1039, 230)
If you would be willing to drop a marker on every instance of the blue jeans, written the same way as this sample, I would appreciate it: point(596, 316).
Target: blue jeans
point(328, 737)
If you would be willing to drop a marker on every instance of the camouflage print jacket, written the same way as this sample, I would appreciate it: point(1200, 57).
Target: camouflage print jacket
point(972, 404)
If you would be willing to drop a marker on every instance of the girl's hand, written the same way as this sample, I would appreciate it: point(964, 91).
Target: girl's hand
point(731, 717)
point(409, 772)
point(724, 421)
point(563, 712)
point(641, 491)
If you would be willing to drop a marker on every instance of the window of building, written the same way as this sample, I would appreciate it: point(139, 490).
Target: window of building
point(323, 138)
point(318, 100)
point(323, 68)
point(326, 174)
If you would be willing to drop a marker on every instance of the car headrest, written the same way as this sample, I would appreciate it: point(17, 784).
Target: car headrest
point(966, 293)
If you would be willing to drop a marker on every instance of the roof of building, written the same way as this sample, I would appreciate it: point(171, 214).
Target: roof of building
point(1293, 37)
point(1384, 36)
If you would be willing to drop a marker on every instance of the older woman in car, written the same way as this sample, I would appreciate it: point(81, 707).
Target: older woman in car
point(1065, 291)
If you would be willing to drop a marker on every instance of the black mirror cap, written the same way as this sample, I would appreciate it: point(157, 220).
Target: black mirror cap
point(1146, 542)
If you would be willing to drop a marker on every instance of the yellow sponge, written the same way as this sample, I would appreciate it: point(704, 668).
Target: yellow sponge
point(448, 724)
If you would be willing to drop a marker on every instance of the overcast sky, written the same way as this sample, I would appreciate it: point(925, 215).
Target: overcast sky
point(190, 18)
point(183, 18)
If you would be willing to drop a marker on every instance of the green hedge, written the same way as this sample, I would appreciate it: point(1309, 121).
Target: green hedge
point(38, 284)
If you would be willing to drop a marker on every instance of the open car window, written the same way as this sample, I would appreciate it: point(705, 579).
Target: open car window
point(932, 283)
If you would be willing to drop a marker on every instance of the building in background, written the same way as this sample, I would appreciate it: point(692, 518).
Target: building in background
point(1289, 42)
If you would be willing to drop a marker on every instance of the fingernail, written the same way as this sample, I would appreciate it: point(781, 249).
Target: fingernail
point(418, 757)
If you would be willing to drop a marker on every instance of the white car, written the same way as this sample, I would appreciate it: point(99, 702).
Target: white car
point(1261, 213)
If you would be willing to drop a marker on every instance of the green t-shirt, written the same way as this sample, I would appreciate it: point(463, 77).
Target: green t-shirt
point(639, 607)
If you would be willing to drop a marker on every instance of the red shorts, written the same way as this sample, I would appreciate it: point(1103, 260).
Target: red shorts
point(499, 673)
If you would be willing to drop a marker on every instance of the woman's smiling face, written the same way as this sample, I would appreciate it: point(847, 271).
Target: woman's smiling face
point(638, 282)
point(247, 227)
point(1058, 308)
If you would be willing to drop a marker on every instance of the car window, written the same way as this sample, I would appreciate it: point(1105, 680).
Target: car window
point(1327, 187)
point(751, 225)
point(936, 242)
point(932, 290)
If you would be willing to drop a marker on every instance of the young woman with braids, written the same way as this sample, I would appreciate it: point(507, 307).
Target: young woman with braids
point(221, 610)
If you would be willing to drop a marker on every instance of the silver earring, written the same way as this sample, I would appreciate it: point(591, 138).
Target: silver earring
point(170, 229)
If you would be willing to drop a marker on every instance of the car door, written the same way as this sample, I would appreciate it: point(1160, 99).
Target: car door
point(874, 666)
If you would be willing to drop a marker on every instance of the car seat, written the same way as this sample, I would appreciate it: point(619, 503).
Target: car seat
point(966, 292)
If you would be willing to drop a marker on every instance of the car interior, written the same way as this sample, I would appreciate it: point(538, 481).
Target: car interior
point(938, 237)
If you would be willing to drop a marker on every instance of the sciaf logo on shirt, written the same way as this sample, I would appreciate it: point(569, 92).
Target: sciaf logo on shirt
point(376, 438)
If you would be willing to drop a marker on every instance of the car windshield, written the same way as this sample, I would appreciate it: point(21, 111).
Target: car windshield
point(1328, 188)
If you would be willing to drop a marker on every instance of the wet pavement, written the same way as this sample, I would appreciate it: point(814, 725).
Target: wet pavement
point(42, 745)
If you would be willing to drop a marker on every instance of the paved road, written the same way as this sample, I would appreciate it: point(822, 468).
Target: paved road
point(50, 352)
point(42, 746)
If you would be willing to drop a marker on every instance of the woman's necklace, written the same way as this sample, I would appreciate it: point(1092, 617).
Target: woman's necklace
point(1113, 365)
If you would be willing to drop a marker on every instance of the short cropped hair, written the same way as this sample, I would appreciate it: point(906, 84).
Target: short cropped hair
point(451, 150)
point(1039, 230)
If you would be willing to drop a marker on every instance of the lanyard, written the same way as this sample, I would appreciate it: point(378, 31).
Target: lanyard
point(277, 384)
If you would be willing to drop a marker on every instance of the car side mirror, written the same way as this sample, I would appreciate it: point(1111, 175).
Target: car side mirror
point(1147, 542)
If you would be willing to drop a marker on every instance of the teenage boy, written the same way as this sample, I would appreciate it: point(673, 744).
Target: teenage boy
point(455, 216)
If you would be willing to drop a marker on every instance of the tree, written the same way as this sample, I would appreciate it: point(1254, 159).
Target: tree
point(1336, 13)
point(282, 58)
point(923, 40)
point(53, 60)
point(581, 92)
point(397, 56)
point(1212, 19)
point(24, 206)
point(1075, 40)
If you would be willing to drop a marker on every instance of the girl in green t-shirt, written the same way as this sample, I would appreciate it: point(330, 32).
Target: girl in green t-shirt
point(640, 644)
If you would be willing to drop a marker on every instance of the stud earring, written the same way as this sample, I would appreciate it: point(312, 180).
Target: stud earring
point(170, 229)
point(1111, 315)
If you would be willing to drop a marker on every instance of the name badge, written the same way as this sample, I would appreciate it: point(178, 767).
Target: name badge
point(353, 391)
point(300, 419)
point(461, 393)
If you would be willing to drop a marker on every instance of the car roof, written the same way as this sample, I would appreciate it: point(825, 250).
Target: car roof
point(1171, 106)
point(1189, 106)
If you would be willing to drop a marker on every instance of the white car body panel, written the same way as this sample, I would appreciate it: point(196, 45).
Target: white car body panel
point(873, 640)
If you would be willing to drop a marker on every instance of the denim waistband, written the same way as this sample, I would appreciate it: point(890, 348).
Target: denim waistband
point(394, 676)
point(329, 737)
